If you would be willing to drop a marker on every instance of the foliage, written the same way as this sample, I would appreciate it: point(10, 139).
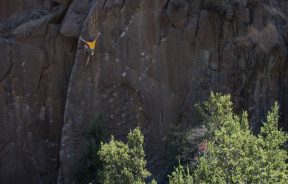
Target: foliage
point(153, 181)
point(234, 154)
point(181, 176)
point(182, 144)
point(226, 151)
point(89, 164)
point(124, 163)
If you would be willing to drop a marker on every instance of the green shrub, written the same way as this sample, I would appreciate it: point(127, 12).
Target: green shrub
point(89, 164)
point(234, 154)
point(181, 176)
point(124, 163)
point(182, 144)
point(153, 181)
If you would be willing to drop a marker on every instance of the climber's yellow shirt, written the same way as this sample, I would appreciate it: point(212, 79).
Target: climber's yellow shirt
point(92, 44)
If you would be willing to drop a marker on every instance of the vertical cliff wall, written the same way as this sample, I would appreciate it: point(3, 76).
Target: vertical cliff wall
point(35, 66)
point(154, 60)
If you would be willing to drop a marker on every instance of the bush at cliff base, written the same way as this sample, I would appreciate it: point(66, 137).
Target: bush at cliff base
point(124, 163)
point(181, 175)
point(234, 154)
point(89, 164)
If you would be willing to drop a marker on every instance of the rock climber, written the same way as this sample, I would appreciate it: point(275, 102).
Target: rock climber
point(89, 46)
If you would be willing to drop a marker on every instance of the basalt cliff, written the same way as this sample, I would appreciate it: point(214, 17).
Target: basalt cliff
point(154, 60)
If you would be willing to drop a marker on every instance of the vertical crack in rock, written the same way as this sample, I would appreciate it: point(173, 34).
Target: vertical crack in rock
point(197, 25)
point(10, 62)
point(123, 4)
point(219, 48)
point(104, 4)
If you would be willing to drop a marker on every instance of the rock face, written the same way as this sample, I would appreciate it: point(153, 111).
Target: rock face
point(154, 60)
point(36, 62)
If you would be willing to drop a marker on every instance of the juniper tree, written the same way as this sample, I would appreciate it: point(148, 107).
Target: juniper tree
point(234, 153)
point(124, 163)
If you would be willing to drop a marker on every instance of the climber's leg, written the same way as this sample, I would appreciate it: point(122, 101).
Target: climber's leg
point(88, 59)
point(86, 48)
point(91, 52)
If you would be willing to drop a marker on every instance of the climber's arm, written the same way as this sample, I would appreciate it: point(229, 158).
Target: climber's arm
point(83, 40)
point(98, 36)
point(92, 44)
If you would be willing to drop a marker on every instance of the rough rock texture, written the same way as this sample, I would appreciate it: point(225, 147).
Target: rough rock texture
point(154, 60)
point(35, 66)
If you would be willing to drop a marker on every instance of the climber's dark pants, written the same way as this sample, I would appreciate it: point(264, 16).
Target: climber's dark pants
point(88, 50)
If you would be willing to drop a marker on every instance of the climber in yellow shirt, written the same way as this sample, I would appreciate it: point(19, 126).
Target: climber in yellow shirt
point(90, 45)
